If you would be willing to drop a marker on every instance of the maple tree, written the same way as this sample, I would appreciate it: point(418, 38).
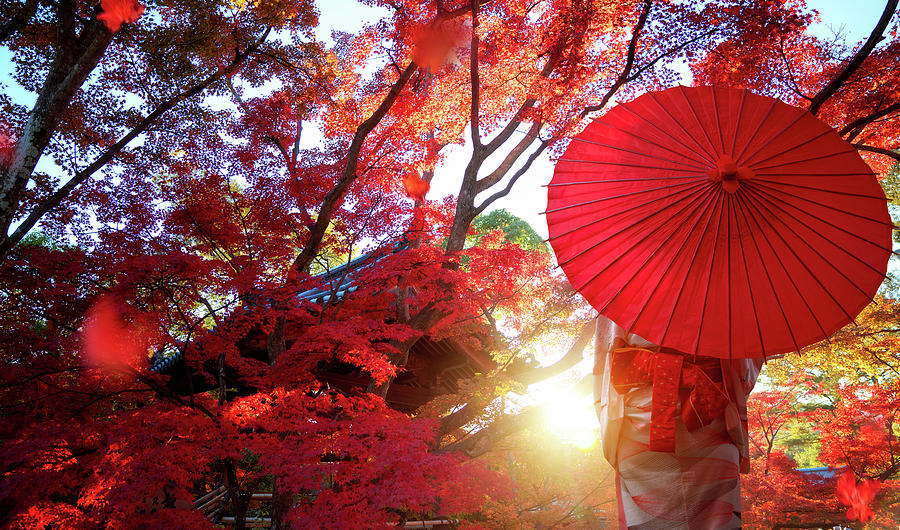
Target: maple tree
point(157, 202)
point(844, 392)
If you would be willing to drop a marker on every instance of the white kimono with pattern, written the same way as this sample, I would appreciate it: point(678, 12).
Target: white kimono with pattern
point(697, 486)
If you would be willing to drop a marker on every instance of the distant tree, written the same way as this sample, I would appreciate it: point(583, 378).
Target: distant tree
point(516, 230)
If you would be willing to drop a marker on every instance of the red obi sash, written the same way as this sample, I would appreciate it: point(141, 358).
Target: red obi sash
point(694, 381)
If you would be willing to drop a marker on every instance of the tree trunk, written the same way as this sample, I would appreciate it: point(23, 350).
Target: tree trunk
point(275, 340)
point(75, 59)
point(281, 504)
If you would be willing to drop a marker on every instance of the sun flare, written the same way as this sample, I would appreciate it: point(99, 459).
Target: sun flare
point(572, 419)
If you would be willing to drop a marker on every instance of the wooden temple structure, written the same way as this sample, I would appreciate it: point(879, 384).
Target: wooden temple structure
point(434, 367)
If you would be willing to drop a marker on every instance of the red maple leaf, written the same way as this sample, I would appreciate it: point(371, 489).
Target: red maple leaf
point(117, 12)
point(857, 496)
point(416, 188)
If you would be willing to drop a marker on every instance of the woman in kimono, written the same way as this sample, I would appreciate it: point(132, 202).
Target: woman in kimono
point(674, 427)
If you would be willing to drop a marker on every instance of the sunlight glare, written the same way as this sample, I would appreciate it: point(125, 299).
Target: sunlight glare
point(572, 419)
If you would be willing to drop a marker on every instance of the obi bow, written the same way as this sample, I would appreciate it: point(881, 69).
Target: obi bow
point(695, 382)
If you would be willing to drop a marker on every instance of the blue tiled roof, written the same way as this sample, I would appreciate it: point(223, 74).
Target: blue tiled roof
point(346, 275)
point(821, 473)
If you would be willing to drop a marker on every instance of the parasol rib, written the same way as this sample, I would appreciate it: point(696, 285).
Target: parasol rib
point(744, 211)
point(654, 144)
point(814, 276)
point(672, 259)
point(636, 243)
point(702, 153)
point(623, 164)
point(728, 272)
point(773, 201)
point(677, 122)
point(605, 181)
point(758, 198)
point(708, 282)
point(617, 212)
point(788, 150)
point(773, 138)
point(755, 131)
point(811, 159)
point(762, 343)
point(718, 206)
point(718, 120)
point(813, 174)
point(880, 198)
point(641, 153)
point(690, 107)
point(737, 126)
point(804, 199)
point(695, 184)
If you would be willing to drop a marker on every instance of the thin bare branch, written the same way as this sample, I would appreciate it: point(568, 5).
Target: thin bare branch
point(856, 61)
point(512, 181)
point(57, 197)
point(510, 159)
point(629, 61)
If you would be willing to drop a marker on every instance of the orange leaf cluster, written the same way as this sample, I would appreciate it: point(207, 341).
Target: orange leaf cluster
point(436, 44)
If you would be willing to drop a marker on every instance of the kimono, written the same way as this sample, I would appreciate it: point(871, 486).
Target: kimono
point(674, 427)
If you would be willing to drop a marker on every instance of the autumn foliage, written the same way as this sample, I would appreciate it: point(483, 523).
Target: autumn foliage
point(205, 167)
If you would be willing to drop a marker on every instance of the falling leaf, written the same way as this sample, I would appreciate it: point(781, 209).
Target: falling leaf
point(857, 496)
point(117, 12)
point(436, 44)
point(110, 342)
point(7, 150)
point(416, 188)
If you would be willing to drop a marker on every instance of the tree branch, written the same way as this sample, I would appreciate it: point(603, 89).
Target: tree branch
point(482, 441)
point(859, 123)
point(302, 261)
point(629, 62)
point(512, 181)
point(18, 20)
point(67, 73)
point(510, 159)
point(880, 150)
point(856, 61)
point(572, 357)
point(56, 197)
point(476, 82)
point(510, 128)
point(532, 375)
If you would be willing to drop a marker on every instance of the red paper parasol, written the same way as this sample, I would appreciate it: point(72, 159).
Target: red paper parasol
point(719, 222)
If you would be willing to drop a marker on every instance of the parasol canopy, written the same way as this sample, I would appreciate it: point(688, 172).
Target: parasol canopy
point(719, 222)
